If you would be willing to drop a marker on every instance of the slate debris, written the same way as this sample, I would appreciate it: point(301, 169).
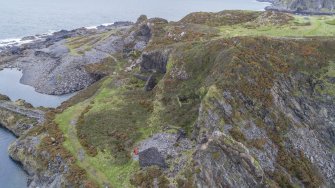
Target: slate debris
point(151, 157)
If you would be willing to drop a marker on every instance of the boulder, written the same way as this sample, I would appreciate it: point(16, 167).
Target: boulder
point(331, 80)
point(21, 102)
point(118, 24)
point(4, 98)
point(143, 31)
point(141, 19)
point(150, 157)
point(28, 38)
point(60, 35)
point(15, 50)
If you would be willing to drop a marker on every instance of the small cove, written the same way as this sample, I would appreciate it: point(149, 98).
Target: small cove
point(10, 85)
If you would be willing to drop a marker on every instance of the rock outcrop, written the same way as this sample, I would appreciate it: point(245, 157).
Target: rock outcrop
point(18, 119)
point(154, 61)
point(57, 64)
point(303, 6)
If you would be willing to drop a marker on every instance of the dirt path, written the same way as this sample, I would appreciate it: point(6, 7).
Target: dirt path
point(68, 125)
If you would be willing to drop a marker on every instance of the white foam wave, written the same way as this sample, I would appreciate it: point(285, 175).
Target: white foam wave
point(91, 27)
point(24, 40)
point(107, 24)
point(13, 42)
point(96, 26)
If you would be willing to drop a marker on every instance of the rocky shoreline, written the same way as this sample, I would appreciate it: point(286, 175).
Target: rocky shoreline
point(56, 64)
point(18, 118)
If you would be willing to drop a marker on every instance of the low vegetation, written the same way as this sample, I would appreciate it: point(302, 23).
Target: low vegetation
point(330, 22)
point(79, 45)
point(300, 26)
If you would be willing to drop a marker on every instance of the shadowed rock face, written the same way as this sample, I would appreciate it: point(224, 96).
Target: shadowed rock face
point(154, 61)
point(150, 157)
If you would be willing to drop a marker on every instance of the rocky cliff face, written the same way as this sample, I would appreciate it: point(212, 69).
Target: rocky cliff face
point(304, 6)
point(265, 119)
point(285, 137)
point(265, 111)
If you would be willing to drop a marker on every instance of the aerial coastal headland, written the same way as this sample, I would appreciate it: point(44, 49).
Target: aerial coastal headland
point(233, 98)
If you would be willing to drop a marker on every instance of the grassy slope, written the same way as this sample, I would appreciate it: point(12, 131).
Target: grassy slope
point(299, 27)
point(79, 45)
point(121, 114)
point(101, 167)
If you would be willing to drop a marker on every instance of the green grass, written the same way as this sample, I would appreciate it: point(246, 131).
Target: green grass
point(328, 88)
point(111, 122)
point(331, 22)
point(100, 168)
point(331, 69)
point(299, 27)
point(106, 167)
point(116, 118)
point(81, 44)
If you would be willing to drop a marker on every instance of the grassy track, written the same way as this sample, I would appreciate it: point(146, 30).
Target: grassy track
point(100, 168)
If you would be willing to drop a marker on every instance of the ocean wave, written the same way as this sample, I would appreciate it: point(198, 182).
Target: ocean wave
point(96, 26)
point(13, 42)
point(4, 43)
